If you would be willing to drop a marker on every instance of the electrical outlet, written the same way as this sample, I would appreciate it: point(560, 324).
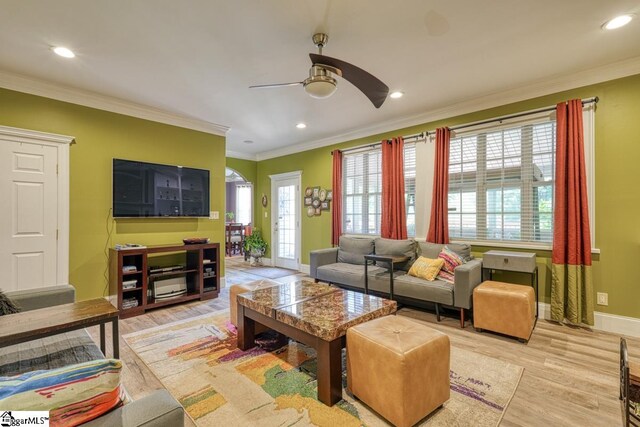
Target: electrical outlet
point(214, 215)
point(265, 214)
point(603, 298)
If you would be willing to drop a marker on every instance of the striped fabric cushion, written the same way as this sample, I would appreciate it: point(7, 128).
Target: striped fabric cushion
point(74, 394)
point(451, 261)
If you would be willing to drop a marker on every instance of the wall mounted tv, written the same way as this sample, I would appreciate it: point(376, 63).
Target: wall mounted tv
point(151, 190)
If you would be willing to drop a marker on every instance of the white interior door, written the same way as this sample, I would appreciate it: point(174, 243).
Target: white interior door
point(28, 229)
point(285, 196)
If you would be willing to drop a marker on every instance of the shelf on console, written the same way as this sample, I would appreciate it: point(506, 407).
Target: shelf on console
point(171, 273)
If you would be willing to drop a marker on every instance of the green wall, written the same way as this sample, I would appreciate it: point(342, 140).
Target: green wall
point(101, 136)
point(617, 154)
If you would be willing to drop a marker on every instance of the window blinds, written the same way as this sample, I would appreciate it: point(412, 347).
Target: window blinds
point(410, 186)
point(501, 183)
point(362, 191)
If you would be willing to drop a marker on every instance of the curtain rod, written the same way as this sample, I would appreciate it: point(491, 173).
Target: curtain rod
point(593, 100)
point(377, 144)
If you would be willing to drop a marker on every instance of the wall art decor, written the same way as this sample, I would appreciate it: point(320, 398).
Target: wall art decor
point(317, 199)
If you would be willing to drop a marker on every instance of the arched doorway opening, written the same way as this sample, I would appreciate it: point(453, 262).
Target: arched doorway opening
point(238, 211)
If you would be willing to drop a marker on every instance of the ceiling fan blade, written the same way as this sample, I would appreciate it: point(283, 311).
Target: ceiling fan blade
point(275, 85)
point(370, 85)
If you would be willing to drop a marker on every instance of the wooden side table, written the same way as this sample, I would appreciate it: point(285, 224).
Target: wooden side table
point(391, 259)
point(31, 325)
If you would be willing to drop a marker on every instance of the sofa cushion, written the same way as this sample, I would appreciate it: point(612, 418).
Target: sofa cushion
point(379, 279)
point(451, 261)
point(51, 352)
point(426, 268)
point(342, 273)
point(397, 248)
point(432, 250)
point(416, 288)
point(353, 249)
point(73, 395)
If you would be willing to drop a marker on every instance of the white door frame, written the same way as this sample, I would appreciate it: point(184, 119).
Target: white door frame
point(62, 143)
point(274, 211)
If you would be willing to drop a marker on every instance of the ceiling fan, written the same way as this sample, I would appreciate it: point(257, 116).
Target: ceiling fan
point(322, 84)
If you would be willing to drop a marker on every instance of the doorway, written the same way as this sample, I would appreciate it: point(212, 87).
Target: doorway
point(285, 214)
point(34, 186)
point(238, 212)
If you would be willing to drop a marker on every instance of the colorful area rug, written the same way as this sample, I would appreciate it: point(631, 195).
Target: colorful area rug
point(219, 385)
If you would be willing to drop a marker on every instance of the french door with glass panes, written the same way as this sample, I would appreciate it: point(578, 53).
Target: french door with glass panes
point(285, 224)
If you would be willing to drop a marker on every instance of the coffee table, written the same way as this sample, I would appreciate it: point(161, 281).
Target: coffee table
point(31, 325)
point(314, 314)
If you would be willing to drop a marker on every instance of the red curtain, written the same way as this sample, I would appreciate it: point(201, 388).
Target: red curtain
point(336, 213)
point(439, 225)
point(571, 284)
point(394, 216)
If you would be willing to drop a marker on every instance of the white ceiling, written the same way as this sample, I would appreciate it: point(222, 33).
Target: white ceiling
point(197, 58)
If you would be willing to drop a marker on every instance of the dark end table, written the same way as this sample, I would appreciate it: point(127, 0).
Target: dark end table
point(391, 259)
point(31, 325)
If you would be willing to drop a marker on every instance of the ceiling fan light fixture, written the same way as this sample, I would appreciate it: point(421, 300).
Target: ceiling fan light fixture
point(320, 86)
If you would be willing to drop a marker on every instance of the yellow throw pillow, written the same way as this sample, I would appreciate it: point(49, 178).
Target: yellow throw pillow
point(426, 268)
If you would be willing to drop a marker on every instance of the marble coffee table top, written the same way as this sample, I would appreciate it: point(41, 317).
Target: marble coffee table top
point(318, 309)
point(265, 300)
point(329, 316)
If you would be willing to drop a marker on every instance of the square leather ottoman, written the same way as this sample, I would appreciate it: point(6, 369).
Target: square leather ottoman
point(399, 368)
point(505, 308)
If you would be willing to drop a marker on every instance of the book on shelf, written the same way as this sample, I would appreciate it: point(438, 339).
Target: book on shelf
point(129, 268)
point(129, 284)
point(129, 303)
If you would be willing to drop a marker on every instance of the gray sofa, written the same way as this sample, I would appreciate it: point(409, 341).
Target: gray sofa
point(344, 266)
point(158, 409)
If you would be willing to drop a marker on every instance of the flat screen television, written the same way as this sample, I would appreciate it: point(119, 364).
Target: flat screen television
point(152, 190)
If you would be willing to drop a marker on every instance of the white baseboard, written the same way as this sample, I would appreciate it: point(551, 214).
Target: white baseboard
point(267, 261)
point(605, 322)
point(305, 268)
point(223, 282)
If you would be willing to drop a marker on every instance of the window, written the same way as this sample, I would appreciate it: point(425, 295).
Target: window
point(410, 187)
point(501, 182)
point(243, 204)
point(362, 187)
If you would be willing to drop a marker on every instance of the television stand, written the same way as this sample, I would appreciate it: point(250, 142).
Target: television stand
point(197, 266)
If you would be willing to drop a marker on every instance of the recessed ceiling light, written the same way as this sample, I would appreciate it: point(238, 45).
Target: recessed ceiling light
point(248, 141)
point(301, 126)
point(64, 52)
point(617, 22)
point(396, 94)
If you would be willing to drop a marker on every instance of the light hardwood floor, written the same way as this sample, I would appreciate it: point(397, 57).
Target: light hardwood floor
point(570, 377)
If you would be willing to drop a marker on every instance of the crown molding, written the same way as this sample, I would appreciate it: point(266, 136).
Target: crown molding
point(25, 135)
point(86, 98)
point(242, 156)
point(536, 89)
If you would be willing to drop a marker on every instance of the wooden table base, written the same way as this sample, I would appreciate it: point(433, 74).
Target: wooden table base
point(329, 366)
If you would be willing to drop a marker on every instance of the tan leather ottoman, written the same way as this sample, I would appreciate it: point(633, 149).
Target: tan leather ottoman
point(234, 290)
point(505, 308)
point(398, 367)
